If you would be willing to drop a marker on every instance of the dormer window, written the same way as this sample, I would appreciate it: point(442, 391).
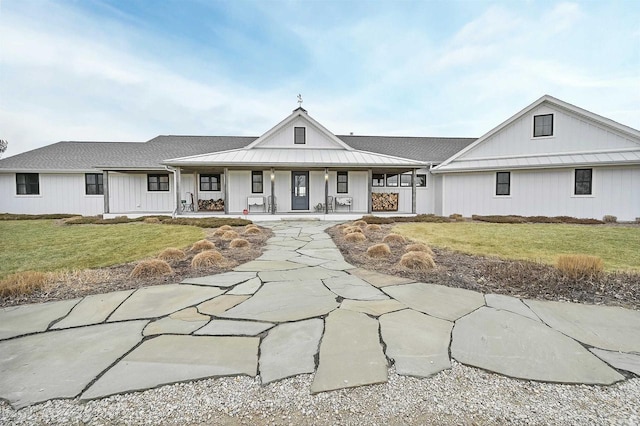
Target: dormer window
point(299, 135)
point(542, 125)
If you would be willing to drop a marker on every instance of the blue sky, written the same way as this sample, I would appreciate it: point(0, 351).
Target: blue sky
point(130, 70)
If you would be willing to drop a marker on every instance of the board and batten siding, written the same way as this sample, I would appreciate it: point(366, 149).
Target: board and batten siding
point(550, 192)
point(59, 193)
point(283, 138)
point(128, 194)
point(425, 200)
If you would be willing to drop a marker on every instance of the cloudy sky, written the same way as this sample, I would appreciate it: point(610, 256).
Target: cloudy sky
point(131, 70)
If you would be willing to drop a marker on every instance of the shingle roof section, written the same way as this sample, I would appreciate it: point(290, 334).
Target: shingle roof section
point(415, 148)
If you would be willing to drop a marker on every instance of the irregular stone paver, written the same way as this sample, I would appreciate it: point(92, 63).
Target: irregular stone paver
point(234, 328)
point(377, 279)
point(418, 343)
point(351, 287)
point(329, 254)
point(157, 301)
point(60, 364)
point(338, 265)
point(350, 353)
point(320, 244)
point(437, 300)
point(372, 307)
point(605, 327)
point(291, 244)
point(221, 304)
point(516, 346)
point(309, 261)
point(289, 349)
point(286, 301)
point(182, 322)
point(93, 309)
point(619, 360)
point(170, 359)
point(307, 273)
point(274, 254)
point(25, 319)
point(321, 236)
point(224, 280)
point(249, 287)
point(511, 304)
point(269, 265)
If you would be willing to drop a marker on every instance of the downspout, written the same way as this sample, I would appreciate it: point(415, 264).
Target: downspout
point(175, 189)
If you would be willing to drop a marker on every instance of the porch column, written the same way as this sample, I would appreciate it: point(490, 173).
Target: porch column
point(370, 177)
point(195, 191)
point(105, 187)
point(413, 191)
point(273, 190)
point(326, 191)
point(176, 185)
point(226, 190)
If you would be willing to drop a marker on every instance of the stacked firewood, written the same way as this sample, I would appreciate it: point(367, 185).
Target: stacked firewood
point(211, 205)
point(384, 202)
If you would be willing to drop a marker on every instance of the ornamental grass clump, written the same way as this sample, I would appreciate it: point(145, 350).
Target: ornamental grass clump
point(355, 237)
point(202, 245)
point(151, 268)
point(419, 247)
point(171, 254)
point(417, 260)
point(239, 243)
point(206, 259)
point(229, 235)
point(22, 283)
point(373, 227)
point(394, 239)
point(359, 223)
point(379, 250)
point(351, 229)
point(580, 266)
point(252, 231)
point(153, 220)
point(225, 228)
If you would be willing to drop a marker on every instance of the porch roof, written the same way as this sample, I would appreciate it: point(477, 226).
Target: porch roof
point(292, 157)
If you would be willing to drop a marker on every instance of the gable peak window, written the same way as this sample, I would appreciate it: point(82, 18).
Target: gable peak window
point(299, 135)
point(503, 183)
point(93, 184)
point(156, 183)
point(542, 125)
point(583, 182)
point(27, 184)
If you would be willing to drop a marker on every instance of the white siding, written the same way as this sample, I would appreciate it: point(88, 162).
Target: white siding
point(424, 195)
point(616, 191)
point(128, 194)
point(59, 193)
point(283, 138)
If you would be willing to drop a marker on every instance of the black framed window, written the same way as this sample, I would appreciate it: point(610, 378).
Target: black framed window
point(392, 180)
point(377, 179)
point(299, 135)
point(157, 183)
point(93, 184)
point(27, 184)
point(257, 179)
point(405, 180)
point(210, 182)
point(421, 180)
point(343, 183)
point(543, 125)
point(583, 182)
point(503, 183)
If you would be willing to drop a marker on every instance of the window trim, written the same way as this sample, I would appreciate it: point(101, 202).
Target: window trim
point(386, 180)
point(533, 126)
point(209, 176)
point(373, 177)
point(574, 183)
point(508, 194)
point(418, 180)
point(158, 175)
point(410, 176)
point(27, 184)
point(295, 135)
point(99, 184)
point(346, 182)
point(261, 174)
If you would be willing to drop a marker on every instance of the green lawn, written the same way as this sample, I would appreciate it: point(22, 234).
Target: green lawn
point(619, 247)
point(43, 245)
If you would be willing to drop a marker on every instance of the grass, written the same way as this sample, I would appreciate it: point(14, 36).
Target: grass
point(619, 247)
point(43, 245)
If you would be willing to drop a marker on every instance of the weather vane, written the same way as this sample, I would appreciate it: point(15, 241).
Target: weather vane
point(299, 100)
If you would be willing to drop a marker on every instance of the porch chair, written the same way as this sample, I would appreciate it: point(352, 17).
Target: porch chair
point(272, 200)
point(187, 205)
point(330, 203)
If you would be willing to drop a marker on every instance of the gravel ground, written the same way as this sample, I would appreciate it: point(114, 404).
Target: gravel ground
point(459, 396)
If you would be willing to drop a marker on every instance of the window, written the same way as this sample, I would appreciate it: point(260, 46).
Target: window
point(93, 184)
point(27, 184)
point(503, 183)
point(392, 180)
point(299, 135)
point(583, 183)
point(543, 125)
point(256, 182)
point(405, 180)
point(377, 179)
point(343, 182)
point(157, 183)
point(210, 182)
point(421, 180)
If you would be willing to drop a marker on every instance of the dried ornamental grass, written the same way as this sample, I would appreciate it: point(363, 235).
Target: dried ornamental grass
point(225, 228)
point(379, 250)
point(418, 260)
point(252, 231)
point(151, 268)
point(419, 247)
point(359, 223)
point(239, 243)
point(355, 237)
point(171, 254)
point(206, 259)
point(202, 245)
point(229, 235)
point(151, 220)
point(578, 266)
point(350, 229)
point(394, 239)
point(610, 219)
point(373, 227)
point(22, 283)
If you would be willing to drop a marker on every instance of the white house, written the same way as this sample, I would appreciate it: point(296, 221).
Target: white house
point(551, 158)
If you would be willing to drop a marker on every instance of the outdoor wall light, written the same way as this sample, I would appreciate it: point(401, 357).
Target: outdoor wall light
point(326, 176)
point(273, 176)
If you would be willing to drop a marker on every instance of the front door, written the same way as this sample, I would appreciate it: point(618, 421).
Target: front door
point(300, 193)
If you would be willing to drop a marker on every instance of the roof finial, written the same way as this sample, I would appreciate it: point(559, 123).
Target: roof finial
point(299, 100)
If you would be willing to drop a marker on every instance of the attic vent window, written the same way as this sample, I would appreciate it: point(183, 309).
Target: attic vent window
point(542, 125)
point(299, 135)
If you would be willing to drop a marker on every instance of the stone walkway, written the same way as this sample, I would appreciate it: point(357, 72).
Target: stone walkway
point(298, 309)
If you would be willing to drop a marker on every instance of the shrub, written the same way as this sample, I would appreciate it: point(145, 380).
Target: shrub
point(373, 227)
point(456, 217)
point(11, 216)
point(151, 268)
point(580, 266)
point(239, 243)
point(359, 223)
point(252, 231)
point(499, 219)
point(206, 259)
point(204, 222)
point(424, 218)
point(171, 254)
point(355, 237)
point(419, 260)
point(202, 245)
point(419, 247)
point(394, 239)
point(379, 250)
point(229, 235)
point(610, 219)
point(151, 220)
point(377, 220)
point(22, 283)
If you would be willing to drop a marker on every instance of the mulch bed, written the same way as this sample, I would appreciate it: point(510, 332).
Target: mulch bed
point(520, 279)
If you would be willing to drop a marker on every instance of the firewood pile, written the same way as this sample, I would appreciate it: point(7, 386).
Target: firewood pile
point(384, 202)
point(211, 205)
